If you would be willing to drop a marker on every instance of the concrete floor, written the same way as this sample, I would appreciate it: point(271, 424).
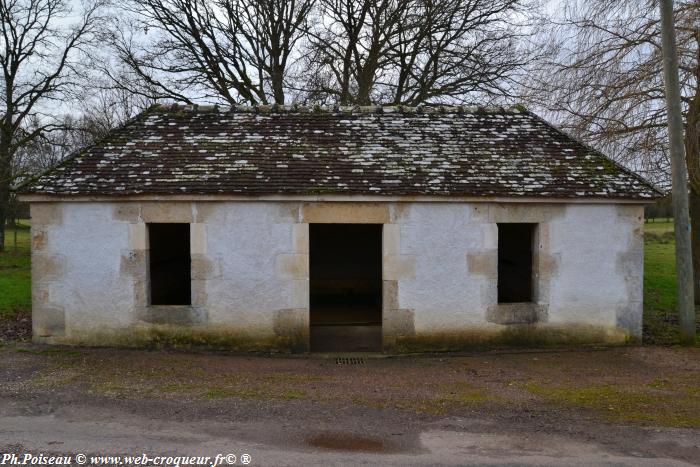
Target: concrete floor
point(343, 338)
point(345, 315)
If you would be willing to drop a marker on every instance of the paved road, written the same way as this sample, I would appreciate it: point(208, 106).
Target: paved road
point(97, 431)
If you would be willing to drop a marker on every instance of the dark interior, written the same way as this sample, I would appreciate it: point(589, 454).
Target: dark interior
point(345, 284)
point(515, 249)
point(169, 261)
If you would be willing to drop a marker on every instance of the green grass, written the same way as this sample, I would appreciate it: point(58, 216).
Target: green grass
point(675, 406)
point(660, 317)
point(15, 272)
point(660, 275)
point(49, 352)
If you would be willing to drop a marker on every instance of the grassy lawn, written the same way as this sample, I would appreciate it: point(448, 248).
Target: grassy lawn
point(15, 273)
point(660, 321)
point(660, 318)
point(659, 266)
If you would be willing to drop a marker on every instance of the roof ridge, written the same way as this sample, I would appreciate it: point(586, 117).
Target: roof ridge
point(349, 109)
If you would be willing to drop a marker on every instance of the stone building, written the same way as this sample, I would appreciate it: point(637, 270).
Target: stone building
point(360, 228)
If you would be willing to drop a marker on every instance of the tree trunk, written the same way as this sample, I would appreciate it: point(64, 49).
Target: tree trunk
point(692, 160)
point(4, 209)
point(695, 240)
point(278, 88)
point(5, 183)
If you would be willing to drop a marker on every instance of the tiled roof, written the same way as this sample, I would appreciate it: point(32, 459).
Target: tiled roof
point(455, 150)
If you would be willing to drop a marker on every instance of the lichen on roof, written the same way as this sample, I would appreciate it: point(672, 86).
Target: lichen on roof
point(425, 150)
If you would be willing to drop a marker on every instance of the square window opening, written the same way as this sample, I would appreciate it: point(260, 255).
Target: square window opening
point(170, 264)
point(515, 259)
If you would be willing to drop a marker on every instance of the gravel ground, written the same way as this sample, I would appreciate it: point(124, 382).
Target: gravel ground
point(625, 406)
point(17, 328)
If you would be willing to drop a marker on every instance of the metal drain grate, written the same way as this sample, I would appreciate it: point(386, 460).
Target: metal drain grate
point(349, 361)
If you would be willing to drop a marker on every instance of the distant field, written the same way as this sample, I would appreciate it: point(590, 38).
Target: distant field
point(660, 232)
point(658, 227)
point(660, 320)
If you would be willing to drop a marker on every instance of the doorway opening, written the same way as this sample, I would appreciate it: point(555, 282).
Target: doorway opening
point(346, 287)
point(515, 254)
point(169, 264)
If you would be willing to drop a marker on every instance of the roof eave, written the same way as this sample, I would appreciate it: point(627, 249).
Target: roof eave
point(169, 197)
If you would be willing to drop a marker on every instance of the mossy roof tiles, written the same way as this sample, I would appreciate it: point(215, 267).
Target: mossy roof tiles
point(443, 150)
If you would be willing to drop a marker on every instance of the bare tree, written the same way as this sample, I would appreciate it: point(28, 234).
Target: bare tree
point(96, 112)
point(42, 153)
point(103, 108)
point(39, 56)
point(221, 50)
point(604, 83)
point(351, 45)
point(415, 51)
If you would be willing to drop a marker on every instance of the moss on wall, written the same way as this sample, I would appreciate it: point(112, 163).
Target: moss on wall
point(182, 337)
point(516, 336)
point(239, 340)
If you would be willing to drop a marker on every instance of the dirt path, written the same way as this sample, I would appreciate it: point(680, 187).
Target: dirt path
point(634, 406)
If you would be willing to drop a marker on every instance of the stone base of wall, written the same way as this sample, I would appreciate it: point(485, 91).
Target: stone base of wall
point(516, 313)
point(540, 335)
point(170, 336)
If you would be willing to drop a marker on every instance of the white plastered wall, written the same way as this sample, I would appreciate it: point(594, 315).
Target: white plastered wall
point(442, 293)
point(250, 264)
point(589, 263)
point(599, 269)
